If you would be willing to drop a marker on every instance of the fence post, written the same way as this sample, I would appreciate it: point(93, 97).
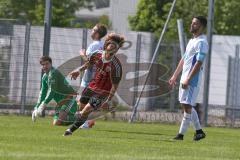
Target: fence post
point(235, 86)
point(47, 33)
point(237, 54)
point(25, 68)
point(208, 60)
point(181, 36)
point(84, 38)
point(236, 69)
point(173, 92)
point(229, 82)
point(137, 61)
point(47, 27)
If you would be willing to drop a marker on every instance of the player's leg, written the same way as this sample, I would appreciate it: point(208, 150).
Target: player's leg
point(80, 119)
point(60, 118)
point(198, 109)
point(65, 114)
point(195, 118)
point(185, 121)
point(95, 102)
point(199, 132)
point(82, 102)
point(185, 98)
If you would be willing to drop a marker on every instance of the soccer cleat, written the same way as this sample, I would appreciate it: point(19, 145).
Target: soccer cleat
point(178, 137)
point(67, 133)
point(199, 136)
point(88, 124)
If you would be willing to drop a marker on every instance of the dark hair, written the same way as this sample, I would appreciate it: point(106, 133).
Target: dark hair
point(113, 38)
point(45, 58)
point(102, 30)
point(202, 20)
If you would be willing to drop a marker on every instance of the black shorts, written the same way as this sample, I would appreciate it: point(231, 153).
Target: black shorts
point(91, 97)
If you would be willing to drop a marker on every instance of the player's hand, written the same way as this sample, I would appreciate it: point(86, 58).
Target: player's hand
point(74, 75)
point(82, 52)
point(172, 82)
point(34, 115)
point(41, 108)
point(185, 84)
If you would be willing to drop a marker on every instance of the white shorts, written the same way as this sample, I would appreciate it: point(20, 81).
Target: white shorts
point(189, 95)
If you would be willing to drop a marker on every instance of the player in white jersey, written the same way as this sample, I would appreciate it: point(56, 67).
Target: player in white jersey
point(192, 68)
point(98, 32)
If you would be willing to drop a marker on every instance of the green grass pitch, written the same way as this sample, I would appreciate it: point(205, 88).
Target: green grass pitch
point(21, 139)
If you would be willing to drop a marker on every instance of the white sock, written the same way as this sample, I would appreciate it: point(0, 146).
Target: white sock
point(185, 123)
point(85, 125)
point(195, 119)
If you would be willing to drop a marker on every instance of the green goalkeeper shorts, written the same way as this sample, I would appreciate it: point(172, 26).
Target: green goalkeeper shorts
point(70, 107)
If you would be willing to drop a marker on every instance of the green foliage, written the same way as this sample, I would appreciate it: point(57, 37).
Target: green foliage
point(33, 10)
point(3, 99)
point(227, 17)
point(104, 19)
point(91, 23)
point(22, 139)
point(85, 24)
point(151, 16)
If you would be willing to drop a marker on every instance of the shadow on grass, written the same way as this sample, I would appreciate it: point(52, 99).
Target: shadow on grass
point(167, 138)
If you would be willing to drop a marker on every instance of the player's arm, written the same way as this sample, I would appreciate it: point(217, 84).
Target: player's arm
point(43, 91)
point(107, 103)
point(83, 55)
point(52, 87)
point(41, 104)
point(76, 73)
point(172, 80)
point(195, 70)
point(84, 66)
point(112, 91)
point(116, 76)
point(90, 62)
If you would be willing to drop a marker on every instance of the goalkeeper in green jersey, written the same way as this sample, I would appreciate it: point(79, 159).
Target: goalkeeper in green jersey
point(55, 87)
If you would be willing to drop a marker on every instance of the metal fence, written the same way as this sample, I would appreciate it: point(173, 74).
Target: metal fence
point(21, 46)
point(233, 90)
point(22, 72)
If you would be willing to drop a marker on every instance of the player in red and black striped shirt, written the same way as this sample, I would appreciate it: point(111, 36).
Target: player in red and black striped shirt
point(105, 82)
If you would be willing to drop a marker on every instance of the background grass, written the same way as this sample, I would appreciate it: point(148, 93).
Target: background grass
point(23, 140)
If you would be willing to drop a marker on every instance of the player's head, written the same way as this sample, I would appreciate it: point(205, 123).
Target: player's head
point(46, 63)
point(198, 24)
point(98, 31)
point(112, 44)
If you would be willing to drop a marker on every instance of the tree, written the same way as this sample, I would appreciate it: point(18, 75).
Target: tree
point(33, 10)
point(227, 17)
point(151, 16)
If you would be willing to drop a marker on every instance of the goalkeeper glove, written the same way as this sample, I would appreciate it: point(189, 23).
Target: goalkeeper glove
point(34, 115)
point(41, 108)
